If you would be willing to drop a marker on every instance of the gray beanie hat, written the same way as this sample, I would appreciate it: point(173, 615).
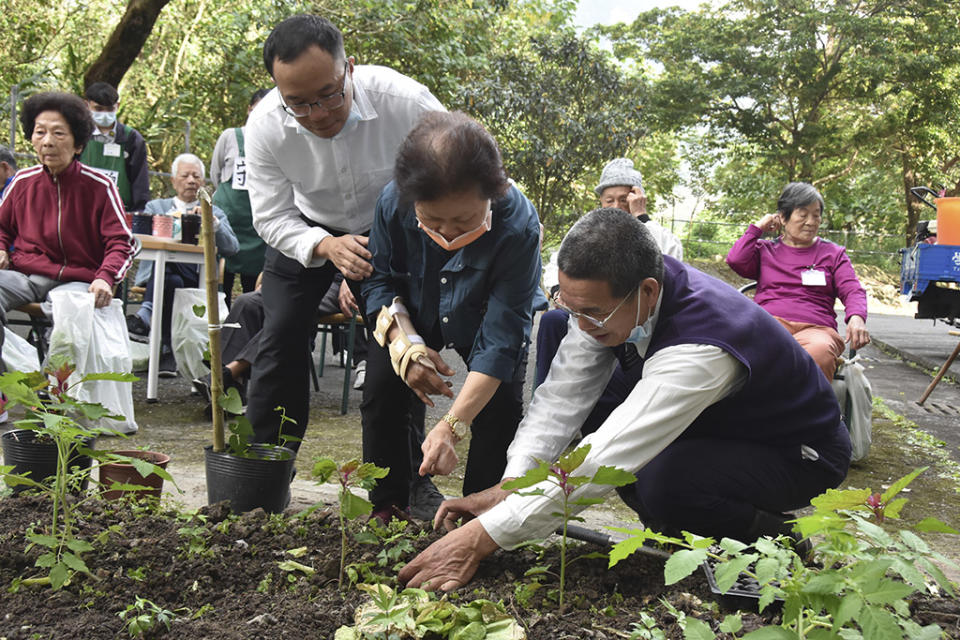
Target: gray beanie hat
point(619, 172)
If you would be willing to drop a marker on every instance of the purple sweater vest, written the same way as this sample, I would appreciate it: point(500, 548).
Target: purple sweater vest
point(785, 400)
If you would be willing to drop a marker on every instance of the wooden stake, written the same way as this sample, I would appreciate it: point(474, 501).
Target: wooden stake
point(213, 316)
point(943, 370)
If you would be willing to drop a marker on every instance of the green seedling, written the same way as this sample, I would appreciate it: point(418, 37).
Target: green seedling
point(349, 475)
point(62, 420)
point(241, 430)
point(863, 590)
point(561, 475)
point(143, 617)
point(414, 613)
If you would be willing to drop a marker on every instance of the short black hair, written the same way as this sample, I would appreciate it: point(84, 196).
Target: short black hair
point(796, 195)
point(73, 109)
point(298, 33)
point(103, 93)
point(611, 246)
point(448, 153)
point(258, 96)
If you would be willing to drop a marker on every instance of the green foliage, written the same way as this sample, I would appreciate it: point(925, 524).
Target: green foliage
point(414, 613)
point(867, 577)
point(144, 617)
point(854, 97)
point(351, 474)
point(560, 475)
point(63, 421)
point(558, 106)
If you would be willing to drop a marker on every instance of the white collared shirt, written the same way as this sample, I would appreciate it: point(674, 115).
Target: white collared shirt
point(335, 181)
point(678, 383)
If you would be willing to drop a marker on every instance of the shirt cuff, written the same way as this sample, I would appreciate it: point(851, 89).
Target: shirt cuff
point(305, 247)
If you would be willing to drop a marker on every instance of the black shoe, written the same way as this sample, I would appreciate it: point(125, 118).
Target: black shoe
point(425, 499)
point(168, 365)
point(138, 329)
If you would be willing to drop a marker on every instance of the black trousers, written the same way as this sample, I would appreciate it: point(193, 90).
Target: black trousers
point(393, 430)
point(715, 487)
point(243, 343)
point(280, 374)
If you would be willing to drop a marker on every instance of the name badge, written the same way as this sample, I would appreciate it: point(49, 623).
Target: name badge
point(813, 278)
point(110, 173)
point(111, 150)
point(239, 182)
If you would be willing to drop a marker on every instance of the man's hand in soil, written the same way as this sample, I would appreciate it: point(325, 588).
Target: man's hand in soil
point(348, 253)
point(451, 561)
point(452, 512)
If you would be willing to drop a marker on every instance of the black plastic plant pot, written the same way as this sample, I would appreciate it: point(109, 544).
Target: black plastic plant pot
point(26, 452)
point(261, 481)
point(743, 595)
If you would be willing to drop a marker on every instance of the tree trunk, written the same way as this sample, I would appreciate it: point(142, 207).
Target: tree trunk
point(125, 42)
point(913, 205)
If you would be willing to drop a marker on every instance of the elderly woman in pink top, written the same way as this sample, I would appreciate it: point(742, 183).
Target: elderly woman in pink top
point(800, 275)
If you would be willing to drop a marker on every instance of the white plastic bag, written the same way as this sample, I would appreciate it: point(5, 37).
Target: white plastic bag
point(95, 341)
point(189, 333)
point(856, 403)
point(18, 354)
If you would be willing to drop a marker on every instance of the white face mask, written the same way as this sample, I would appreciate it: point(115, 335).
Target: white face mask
point(104, 118)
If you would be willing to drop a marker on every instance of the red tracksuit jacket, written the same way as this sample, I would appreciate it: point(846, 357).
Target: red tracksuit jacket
point(69, 227)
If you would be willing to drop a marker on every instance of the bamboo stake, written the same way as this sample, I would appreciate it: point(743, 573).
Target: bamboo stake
point(213, 317)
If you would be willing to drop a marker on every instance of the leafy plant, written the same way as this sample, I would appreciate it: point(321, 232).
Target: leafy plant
point(143, 616)
point(866, 578)
point(349, 474)
point(64, 421)
point(561, 475)
point(394, 543)
point(414, 613)
point(241, 430)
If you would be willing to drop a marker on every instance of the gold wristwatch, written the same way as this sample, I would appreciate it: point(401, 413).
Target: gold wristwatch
point(457, 426)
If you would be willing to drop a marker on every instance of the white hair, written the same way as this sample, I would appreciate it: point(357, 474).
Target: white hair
point(189, 158)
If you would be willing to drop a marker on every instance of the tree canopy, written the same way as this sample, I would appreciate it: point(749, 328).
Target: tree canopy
point(859, 97)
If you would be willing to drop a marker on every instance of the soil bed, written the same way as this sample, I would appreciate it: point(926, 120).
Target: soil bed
point(222, 577)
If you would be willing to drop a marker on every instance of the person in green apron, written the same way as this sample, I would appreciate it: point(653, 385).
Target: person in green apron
point(229, 176)
point(116, 149)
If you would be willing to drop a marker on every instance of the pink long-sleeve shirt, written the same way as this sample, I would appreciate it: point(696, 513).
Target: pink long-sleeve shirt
point(778, 270)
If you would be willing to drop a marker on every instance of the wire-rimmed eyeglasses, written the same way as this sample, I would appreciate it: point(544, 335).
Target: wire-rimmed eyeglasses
point(328, 103)
point(599, 324)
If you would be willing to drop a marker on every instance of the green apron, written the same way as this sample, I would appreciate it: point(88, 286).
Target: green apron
point(114, 166)
point(232, 197)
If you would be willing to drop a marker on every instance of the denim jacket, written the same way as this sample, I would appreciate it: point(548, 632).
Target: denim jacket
point(480, 296)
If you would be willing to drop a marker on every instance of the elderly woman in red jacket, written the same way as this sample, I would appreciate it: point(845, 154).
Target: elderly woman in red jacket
point(64, 220)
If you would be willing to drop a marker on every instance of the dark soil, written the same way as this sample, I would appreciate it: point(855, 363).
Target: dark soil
point(221, 576)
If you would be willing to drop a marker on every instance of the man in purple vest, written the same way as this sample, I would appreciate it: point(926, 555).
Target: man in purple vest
point(727, 425)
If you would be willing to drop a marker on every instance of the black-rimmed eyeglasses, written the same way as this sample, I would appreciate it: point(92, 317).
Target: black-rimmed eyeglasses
point(328, 103)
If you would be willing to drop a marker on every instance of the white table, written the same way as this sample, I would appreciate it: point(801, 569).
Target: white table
point(162, 251)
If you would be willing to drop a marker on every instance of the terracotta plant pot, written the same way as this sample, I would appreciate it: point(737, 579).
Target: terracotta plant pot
point(124, 473)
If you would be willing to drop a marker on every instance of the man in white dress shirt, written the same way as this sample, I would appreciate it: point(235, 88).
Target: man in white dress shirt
point(319, 148)
point(727, 426)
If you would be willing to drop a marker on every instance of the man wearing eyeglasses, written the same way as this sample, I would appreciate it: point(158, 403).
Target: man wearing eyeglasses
point(728, 424)
point(320, 147)
point(620, 187)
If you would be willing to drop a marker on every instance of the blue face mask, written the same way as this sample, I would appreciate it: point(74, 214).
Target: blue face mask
point(639, 332)
point(352, 119)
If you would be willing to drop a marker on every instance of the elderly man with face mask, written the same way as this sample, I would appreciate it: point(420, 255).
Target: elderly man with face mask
point(717, 446)
point(116, 149)
point(187, 172)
